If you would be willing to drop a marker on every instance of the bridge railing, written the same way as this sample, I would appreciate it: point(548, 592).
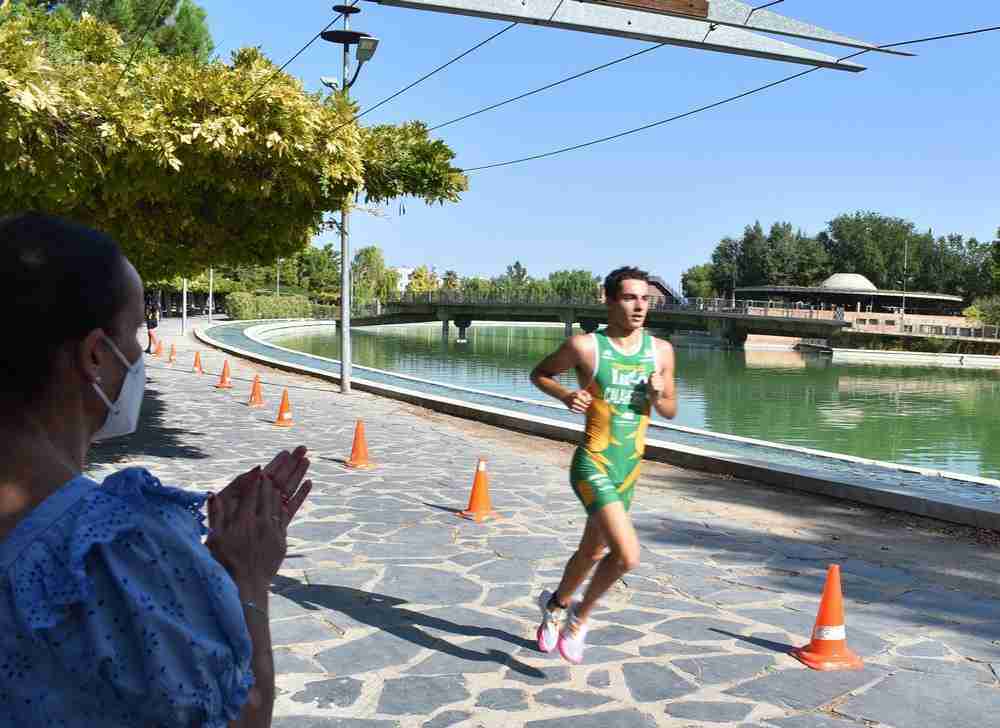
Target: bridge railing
point(740, 307)
point(712, 305)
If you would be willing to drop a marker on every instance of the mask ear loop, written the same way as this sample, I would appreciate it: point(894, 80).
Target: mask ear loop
point(118, 353)
point(97, 380)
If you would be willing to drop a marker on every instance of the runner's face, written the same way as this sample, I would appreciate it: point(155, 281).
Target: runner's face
point(630, 308)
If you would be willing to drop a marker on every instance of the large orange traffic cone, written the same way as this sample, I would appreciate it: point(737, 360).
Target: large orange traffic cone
point(284, 418)
point(359, 452)
point(479, 501)
point(828, 648)
point(158, 351)
point(173, 354)
point(197, 363)
point(224, 381)
point(256, 394)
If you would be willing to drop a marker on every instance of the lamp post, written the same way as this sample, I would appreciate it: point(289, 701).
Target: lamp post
point(902, 313)
point(277, 280)
point(366, 49)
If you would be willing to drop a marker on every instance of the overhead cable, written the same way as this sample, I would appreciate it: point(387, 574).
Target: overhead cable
point(721, 102)
point(423, 78)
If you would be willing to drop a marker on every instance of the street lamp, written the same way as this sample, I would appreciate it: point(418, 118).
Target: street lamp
point(902, 313)
point(366, 46)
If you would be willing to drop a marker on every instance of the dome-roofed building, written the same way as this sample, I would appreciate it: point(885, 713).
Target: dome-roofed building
point(848, 282)
point(854, 292)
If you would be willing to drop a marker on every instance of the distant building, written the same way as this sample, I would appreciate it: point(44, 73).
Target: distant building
point(660, 292)
point(854, 292)
point(663, 292)
point(404, 277)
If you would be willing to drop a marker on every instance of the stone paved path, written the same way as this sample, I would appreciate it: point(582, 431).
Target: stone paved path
point(391, 611)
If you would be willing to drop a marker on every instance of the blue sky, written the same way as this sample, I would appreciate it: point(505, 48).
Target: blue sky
point(911, 137)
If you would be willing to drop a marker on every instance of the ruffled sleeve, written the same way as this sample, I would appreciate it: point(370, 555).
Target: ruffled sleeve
point(134, 606)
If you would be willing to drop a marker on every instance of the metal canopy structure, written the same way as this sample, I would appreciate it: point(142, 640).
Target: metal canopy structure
point(735, 14)
point(724, 26)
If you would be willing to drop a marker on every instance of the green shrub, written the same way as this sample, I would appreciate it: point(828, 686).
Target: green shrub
point(242, 306)
point(988, 309)
point(321, 311)
point(245, 306)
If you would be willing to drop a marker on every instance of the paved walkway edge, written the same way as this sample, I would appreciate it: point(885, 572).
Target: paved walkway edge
point(671, 453)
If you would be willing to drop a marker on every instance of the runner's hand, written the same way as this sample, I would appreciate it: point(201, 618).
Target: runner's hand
point(655, 386)
point(578, 401)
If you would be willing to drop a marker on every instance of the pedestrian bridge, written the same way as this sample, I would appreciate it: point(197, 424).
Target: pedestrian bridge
point(733, 322)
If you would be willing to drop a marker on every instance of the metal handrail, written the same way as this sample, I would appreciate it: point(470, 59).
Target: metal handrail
point(740, 307)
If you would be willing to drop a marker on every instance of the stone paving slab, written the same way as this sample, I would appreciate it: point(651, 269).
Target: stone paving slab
point(392, 612)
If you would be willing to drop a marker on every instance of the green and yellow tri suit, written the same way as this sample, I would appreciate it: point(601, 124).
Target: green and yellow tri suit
point(606, 466)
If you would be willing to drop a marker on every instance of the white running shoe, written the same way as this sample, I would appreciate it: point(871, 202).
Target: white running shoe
point(572, 638)
point(548, 630)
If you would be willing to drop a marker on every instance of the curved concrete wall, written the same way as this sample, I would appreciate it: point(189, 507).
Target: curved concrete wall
point(943, 504)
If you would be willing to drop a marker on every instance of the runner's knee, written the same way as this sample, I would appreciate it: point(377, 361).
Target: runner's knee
point(592, 554)
point(628, 559)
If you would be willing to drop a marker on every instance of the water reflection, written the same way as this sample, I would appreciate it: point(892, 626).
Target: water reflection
point(931, 417)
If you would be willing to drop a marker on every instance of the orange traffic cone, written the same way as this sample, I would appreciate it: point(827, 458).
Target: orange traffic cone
point(284, 418)
point(173, 354)
point(256, 395)
point(197, 363)
point(359, 452)
point(224, 381)
point(479, 501)
point(158, 351)
point(828, 648)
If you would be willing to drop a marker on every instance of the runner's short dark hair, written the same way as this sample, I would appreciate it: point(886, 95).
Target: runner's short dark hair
point(613, 283)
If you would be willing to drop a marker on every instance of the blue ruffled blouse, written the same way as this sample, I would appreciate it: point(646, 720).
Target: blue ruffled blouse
point(113, 612)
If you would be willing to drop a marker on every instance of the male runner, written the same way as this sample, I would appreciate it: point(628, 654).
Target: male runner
point(623, 373)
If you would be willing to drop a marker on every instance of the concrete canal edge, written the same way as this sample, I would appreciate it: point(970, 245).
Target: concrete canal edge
point(980, 515)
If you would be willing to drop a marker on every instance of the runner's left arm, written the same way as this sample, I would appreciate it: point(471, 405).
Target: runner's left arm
point(662, 392)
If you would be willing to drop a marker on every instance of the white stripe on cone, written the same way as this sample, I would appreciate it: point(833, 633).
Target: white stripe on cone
point(830, 633)
point(482, 466)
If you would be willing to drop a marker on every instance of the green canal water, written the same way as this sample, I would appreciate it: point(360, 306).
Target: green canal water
point(947, 419)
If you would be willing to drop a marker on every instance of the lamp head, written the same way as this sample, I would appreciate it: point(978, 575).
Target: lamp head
point(366, 48)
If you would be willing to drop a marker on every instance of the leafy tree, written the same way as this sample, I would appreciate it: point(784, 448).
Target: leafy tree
point(811, 262)
point(372, 279)
point(995, 262)
point(319, 269)
point(451, 281)
point(726, 265)
point(188, 164)
point(872, 245)
point(535, 290)
point(422, 280)
point(185, 33)
point(173, 28)
point(476, 288)
point(986, 310)
point(753, 252)
point(517, 274)
point(575, 285)
point(696, 282)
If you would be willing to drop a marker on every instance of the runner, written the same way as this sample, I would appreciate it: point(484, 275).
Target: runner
point(623, 374)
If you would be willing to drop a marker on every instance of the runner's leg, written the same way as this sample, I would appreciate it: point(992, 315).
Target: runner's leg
point(590, 552)
point(616, 530)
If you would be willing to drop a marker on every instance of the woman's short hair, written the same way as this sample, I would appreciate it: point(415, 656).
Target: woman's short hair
point(58, 282)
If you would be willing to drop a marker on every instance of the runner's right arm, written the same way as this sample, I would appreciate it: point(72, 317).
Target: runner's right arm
point(571, 355)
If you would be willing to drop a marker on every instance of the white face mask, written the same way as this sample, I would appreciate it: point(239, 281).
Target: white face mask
point(123, 413)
